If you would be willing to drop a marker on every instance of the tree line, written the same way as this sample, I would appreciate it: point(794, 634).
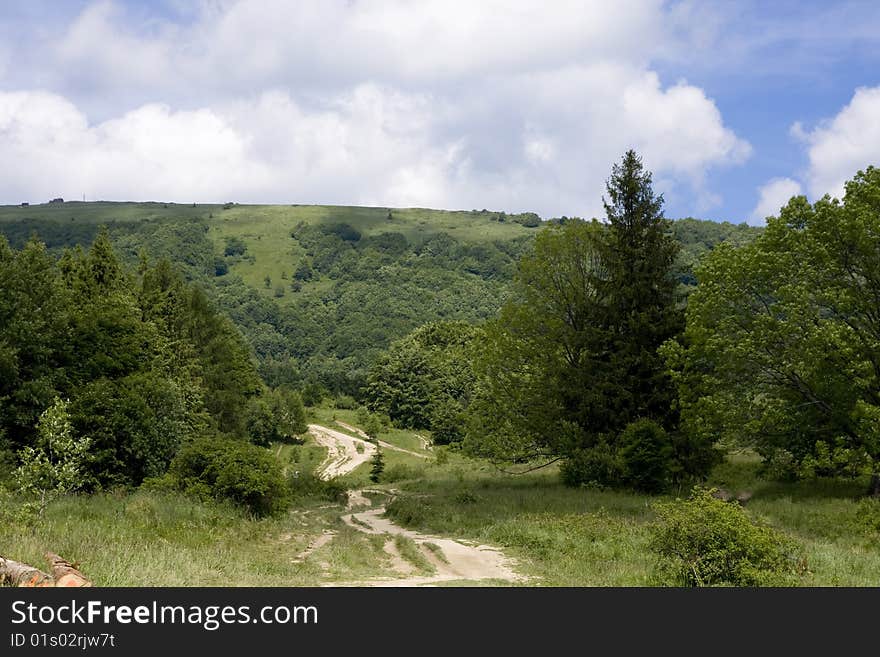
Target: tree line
point(138, 363)
point(603, 361)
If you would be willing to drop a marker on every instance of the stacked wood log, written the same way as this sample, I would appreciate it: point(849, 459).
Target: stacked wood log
point(62, 573)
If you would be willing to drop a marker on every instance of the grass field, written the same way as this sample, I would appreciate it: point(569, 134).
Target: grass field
point(558, 536)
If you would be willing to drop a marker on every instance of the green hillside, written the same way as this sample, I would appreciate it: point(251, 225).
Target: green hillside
point(319, 291)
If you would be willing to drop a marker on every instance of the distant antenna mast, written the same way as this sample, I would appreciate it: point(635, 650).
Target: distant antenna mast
point(84, 197)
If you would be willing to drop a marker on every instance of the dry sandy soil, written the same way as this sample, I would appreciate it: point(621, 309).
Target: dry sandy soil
point(452, 560)
point(342, 455)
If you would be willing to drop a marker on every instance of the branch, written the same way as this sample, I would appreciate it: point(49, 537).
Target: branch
point(532, 469)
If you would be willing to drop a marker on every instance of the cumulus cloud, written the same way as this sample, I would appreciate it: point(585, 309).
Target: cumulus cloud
point(771, 197)
point(509, 105)
point(839, 147)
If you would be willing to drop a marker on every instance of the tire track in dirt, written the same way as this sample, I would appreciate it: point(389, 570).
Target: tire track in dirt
point(459, 561)
point(382, 443)
point(343, 454)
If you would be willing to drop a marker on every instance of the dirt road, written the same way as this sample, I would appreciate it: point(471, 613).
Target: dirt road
point(382, 443)
point(452, 560)
point(343, 454)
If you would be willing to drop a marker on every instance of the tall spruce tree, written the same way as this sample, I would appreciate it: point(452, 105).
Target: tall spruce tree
point(638, 292)
point(572, 359)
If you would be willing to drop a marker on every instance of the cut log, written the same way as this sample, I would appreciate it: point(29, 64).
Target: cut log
point(64, 573)
point(14, 573)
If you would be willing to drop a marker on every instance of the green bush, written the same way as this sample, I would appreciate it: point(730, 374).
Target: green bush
point(599, 466)
point(465, 497)
point(232, 470)
point(306, 484)
point(345, 402)
point(647, 455)
point(704, 541)
point(447, 422)
point(235, 246)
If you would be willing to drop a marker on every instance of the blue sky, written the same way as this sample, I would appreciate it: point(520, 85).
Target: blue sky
point(513, 105)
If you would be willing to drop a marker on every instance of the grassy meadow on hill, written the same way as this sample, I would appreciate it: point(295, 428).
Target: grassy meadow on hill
point(318, 293)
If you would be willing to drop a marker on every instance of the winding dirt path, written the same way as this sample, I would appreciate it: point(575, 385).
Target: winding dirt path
point(452, 560)
point(395, 448)
point(343, 455)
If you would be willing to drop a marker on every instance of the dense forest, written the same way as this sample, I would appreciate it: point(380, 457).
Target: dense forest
point(319, 293)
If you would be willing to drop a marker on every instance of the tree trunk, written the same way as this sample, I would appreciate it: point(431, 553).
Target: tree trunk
point(64, 573)
point(13, 573)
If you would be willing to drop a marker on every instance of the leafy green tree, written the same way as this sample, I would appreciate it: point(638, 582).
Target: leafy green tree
point(572, 358)
point(56, 465)
point(447, 421)
point(424, 376)
point(35, 310)
point(313, 393)
point(372, 426)
point(781, 350)
point(229, 376)
point(135, 424)
point(277, 415)
point(235, 246)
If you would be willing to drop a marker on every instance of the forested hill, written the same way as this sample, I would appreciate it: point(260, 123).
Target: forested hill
point(319, 291)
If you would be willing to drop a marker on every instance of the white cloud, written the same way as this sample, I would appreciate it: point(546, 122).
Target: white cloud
point(843, 145)
point(771, 197)
point(510, 105)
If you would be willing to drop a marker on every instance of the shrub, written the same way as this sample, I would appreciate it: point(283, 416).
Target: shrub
point(647, 456)
point(868, 517)
point(313, 393)
point(362, 415)
point(232, 470)
point(447, 422)
point(235, 246)
point(345, 402)
point(56, 466)
point(135, 425)
point(704, 541)
point(599, 466)
point(373, 426)
point(441, 455)
point(344, 231)
point(378, 466)
point(306, 484)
